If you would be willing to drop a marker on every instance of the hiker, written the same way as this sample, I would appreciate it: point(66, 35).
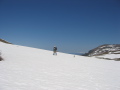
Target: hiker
point(54, 50)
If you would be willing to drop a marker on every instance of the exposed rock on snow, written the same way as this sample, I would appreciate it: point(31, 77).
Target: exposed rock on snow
point(4, 41)
point(106, 51)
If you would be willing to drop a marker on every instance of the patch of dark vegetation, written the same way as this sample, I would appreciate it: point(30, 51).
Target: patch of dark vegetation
point(1, 58)
point(4, 41)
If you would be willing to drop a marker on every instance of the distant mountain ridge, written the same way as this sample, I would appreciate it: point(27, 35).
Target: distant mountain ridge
point(104, 49)
point(4, 41)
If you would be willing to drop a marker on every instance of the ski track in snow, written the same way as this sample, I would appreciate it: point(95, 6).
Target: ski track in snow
point(26, 68)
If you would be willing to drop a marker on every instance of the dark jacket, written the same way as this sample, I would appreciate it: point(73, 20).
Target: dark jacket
point(55, 49)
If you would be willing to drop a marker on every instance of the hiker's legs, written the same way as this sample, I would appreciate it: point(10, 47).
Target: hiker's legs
point(54, 52)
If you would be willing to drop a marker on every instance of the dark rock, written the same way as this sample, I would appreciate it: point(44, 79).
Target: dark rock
point(104, 49)
point(4, 41)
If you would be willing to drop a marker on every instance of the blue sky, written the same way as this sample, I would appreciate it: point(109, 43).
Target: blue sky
point(71, 25)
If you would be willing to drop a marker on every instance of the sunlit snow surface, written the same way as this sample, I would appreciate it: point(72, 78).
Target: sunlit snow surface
point(110, 56)
point(26, 68)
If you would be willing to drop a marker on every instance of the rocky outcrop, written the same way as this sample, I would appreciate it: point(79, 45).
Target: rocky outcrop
point(104, 49)
point(4, 41)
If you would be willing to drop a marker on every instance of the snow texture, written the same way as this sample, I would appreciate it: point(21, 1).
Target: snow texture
point(26, 68)
point(110, 56)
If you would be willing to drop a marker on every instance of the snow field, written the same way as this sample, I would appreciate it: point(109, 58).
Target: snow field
point(26, 68)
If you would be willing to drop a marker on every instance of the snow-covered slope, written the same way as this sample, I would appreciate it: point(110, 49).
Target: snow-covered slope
point(110, 56)
point(104, 49)
point(107, 51)
point(26, 68)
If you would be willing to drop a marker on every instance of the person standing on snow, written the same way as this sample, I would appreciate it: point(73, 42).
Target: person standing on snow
point(54, 50)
